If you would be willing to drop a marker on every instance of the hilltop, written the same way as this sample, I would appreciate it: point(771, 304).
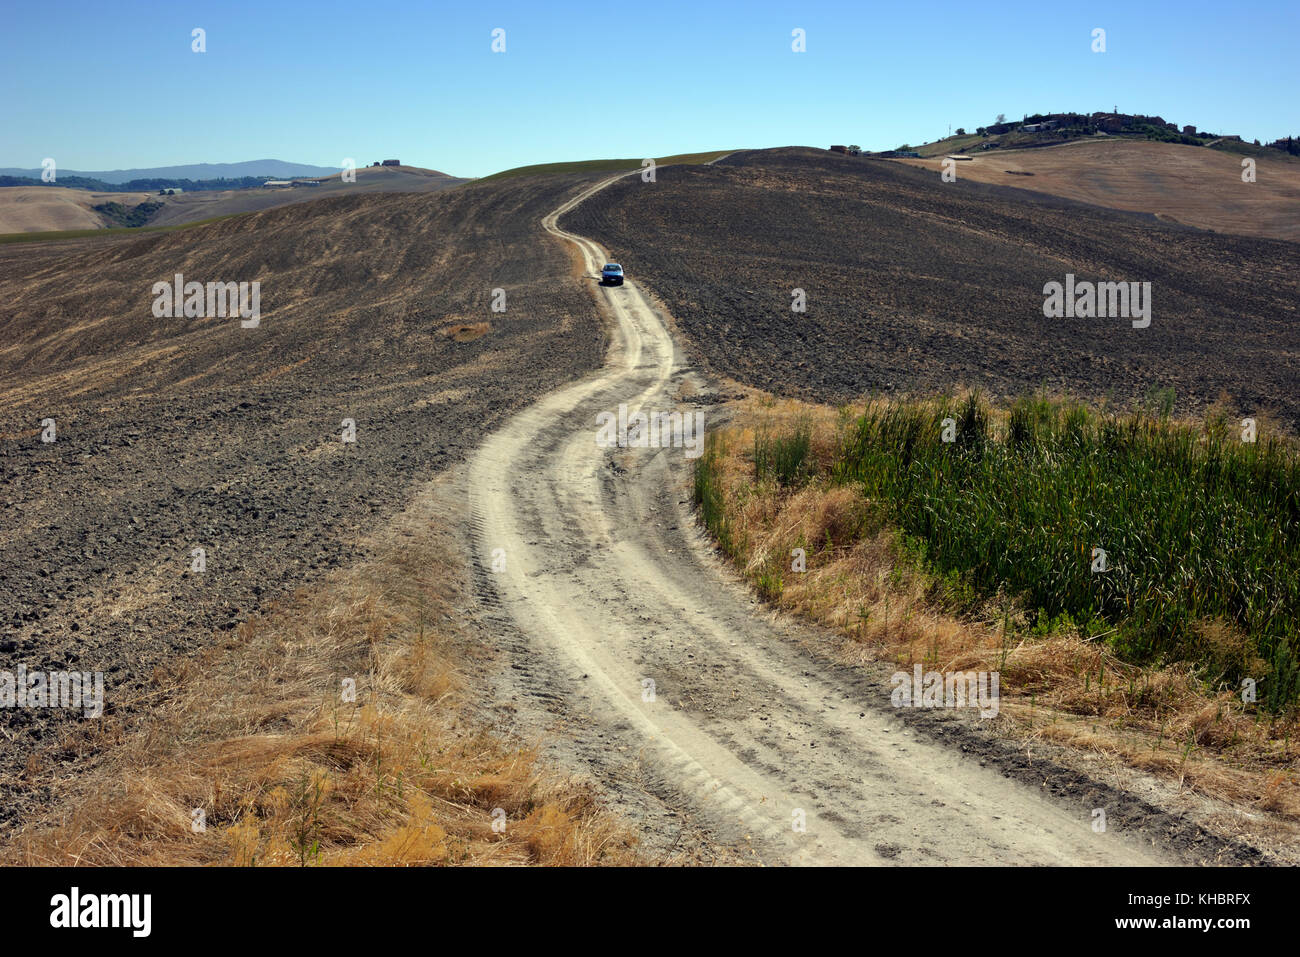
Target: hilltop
point(1174, 182)
point(1052, 129)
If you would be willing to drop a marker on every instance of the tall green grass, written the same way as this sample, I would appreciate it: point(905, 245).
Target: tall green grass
point(783, 458)
point(710, 496)
point(1198, 526)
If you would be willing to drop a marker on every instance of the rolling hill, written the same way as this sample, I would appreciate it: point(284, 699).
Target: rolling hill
point(27, 209)
point(35, 209)
point(914, 285)
point(175, 432)
point(1176, 183)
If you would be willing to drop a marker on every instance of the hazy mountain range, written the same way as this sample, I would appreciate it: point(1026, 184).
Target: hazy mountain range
point(271, 168)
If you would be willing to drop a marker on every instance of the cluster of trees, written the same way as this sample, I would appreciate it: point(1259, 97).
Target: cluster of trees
point(120, 215)
point(1162, 134)
point(1288, 144)
point(1070, 125)
point(149, 185)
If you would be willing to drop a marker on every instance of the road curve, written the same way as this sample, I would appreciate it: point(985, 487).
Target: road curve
point(593, 555)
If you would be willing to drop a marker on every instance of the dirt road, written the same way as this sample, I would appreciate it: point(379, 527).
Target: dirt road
point(591, 553)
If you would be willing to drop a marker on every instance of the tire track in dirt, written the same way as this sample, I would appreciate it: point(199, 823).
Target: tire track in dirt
point(610, 583)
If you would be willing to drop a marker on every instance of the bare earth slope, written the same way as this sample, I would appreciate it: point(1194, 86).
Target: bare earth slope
point(191, 207)
point(1182, 184)
point(180, 433)
point(917, 285)
point(45, 208)
point(38, 209)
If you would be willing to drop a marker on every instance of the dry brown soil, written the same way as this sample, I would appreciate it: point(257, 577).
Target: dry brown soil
point(914, 285)
point(180, 433)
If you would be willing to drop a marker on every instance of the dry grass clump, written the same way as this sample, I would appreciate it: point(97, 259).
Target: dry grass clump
point(253, 754)
point(466, 331)
point(1057, 683)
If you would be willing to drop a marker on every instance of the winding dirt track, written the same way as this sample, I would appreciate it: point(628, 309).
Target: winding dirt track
point(606, 576)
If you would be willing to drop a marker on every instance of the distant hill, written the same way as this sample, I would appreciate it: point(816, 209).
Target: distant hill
point(36, 209)
point(1051, 129)
point(70, 181)
point(32, 208)
point(269, 168)
point(1172, 181)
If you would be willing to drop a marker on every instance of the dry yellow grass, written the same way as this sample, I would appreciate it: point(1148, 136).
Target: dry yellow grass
point(1057, 687)
point(1184, 184)
point(257, 733)
point(32, 209)
point(466, 331)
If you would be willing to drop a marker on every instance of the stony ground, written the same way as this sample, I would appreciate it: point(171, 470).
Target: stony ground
point(915, 285)
point(176, 434)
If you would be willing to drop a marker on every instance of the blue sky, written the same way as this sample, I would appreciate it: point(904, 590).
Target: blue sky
point(115, 85)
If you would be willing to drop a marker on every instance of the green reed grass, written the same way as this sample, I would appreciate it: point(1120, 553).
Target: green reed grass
point(1198, 526)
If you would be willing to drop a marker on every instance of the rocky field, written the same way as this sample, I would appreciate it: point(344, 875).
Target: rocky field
point(180, 433)
point(916, 285)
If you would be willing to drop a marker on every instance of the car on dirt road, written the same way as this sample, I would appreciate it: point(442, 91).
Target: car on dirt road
point(611, 275)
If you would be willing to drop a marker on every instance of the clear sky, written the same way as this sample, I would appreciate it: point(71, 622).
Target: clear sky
point(111, 84)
